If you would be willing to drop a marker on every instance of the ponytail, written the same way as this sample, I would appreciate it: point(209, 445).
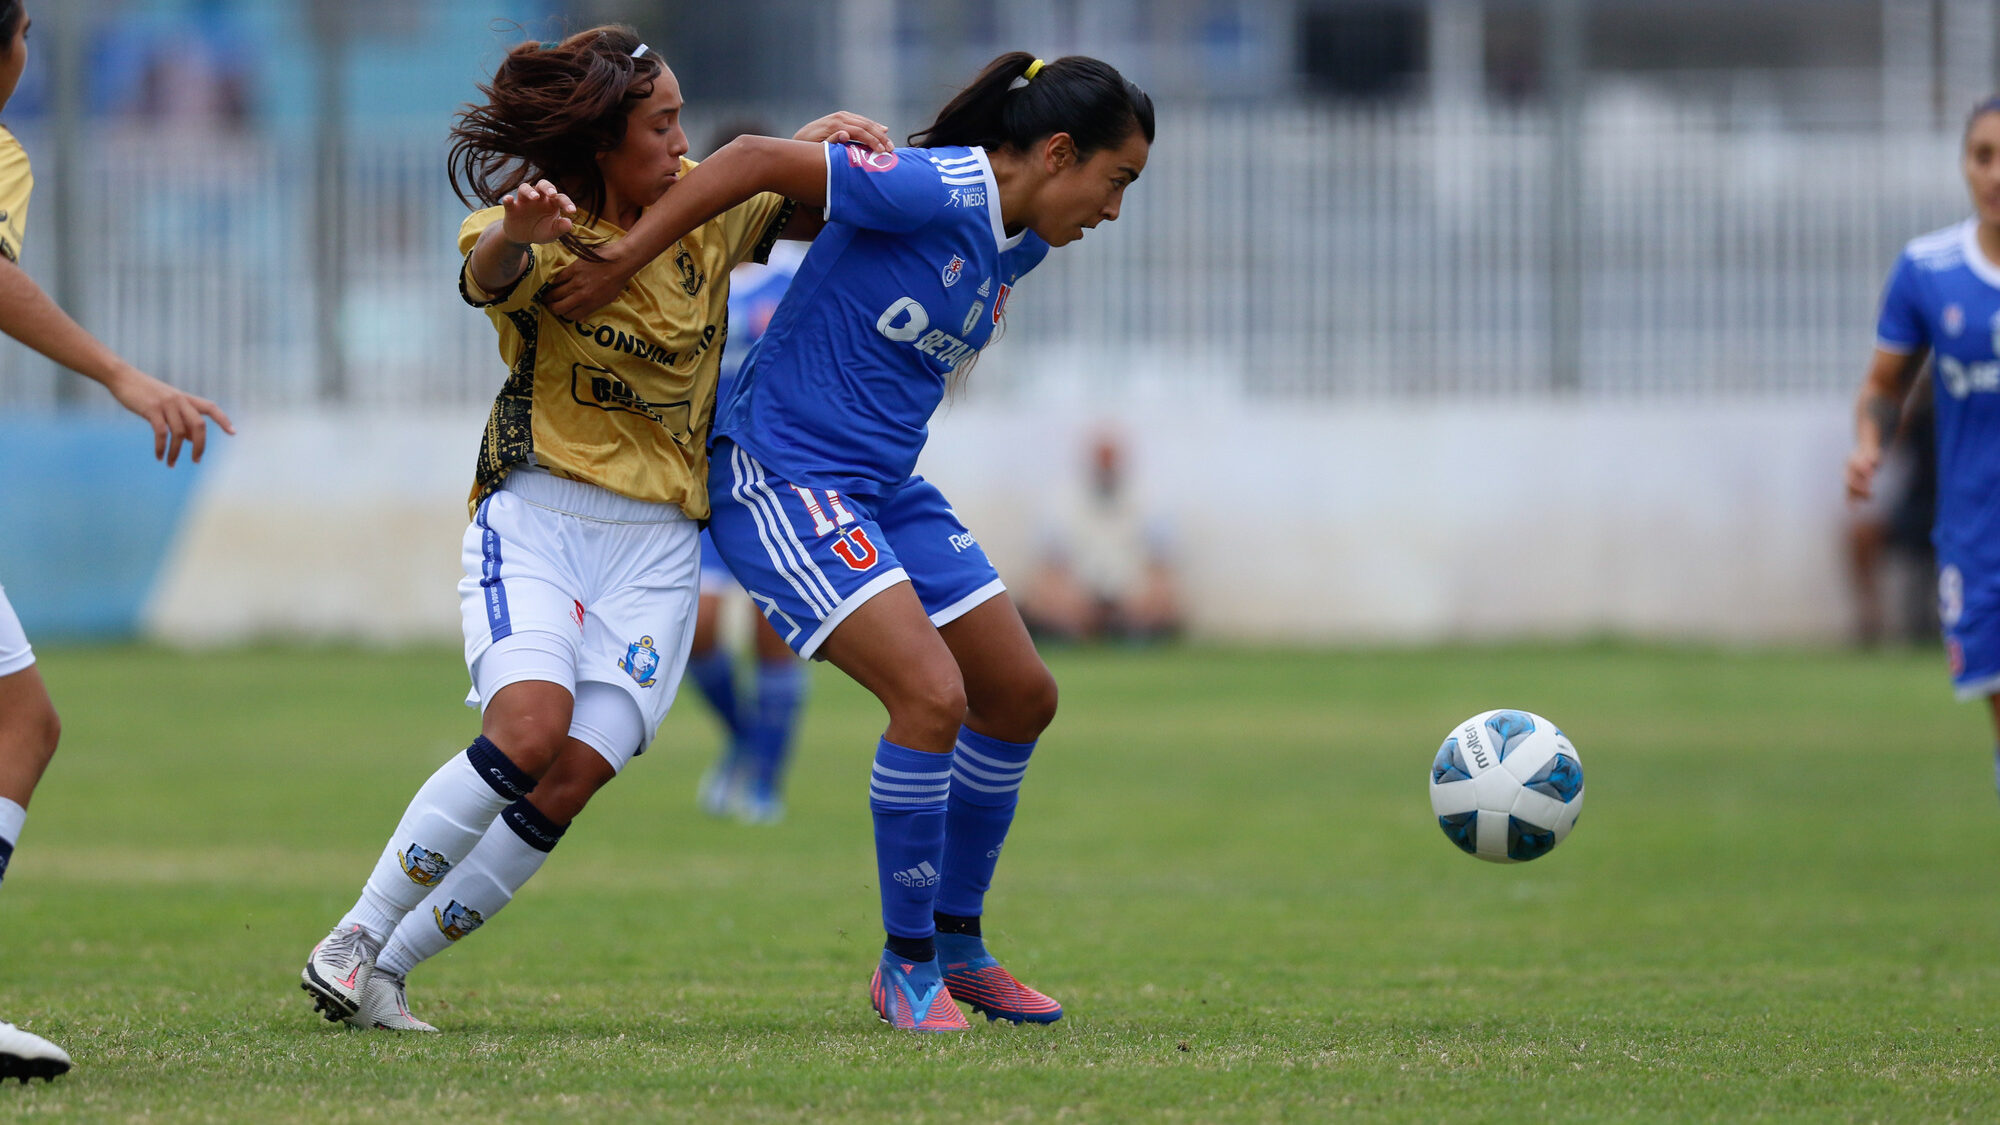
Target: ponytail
point(1018, 100)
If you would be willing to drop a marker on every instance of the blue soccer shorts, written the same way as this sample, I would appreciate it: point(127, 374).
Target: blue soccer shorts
point(1969, 608)
point(810, 556)
point(715, 576)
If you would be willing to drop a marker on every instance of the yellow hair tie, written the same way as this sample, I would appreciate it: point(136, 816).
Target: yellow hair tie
point(1034, 68)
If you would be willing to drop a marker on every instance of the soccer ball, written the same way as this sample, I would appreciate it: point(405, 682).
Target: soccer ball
point(1506, 786)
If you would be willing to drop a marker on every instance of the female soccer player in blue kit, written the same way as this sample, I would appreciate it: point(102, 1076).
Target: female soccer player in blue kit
point(851, 556)
point(1943, 301)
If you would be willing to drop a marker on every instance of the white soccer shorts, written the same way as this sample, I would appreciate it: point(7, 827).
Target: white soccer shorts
point(15, 655)
point(580, 585)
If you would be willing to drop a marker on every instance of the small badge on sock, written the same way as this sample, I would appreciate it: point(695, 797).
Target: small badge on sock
point(425, 868)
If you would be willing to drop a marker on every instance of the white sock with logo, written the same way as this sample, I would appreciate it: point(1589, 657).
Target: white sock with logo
point(445, 820)
point(513, 849)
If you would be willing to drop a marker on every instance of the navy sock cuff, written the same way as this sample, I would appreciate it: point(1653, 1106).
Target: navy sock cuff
point(498, 770)
point(533, 826)
point(6, 853)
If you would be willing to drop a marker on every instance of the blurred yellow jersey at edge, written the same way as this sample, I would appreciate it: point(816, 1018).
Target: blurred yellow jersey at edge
point(624, 398)
point(17, 181)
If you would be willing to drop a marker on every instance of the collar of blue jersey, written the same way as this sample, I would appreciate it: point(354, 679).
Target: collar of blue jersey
point(1000, 238)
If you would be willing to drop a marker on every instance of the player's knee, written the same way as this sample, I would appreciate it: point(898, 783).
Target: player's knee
point(570, 783)
point(532, 738)
point(1035, 705)
point(933, 703)
point(42, 730)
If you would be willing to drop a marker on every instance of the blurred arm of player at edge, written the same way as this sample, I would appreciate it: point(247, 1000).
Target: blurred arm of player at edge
point(1876, 410)
point(795, 169)
point(30, 316)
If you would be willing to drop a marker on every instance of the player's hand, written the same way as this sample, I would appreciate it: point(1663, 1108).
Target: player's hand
point(536, 213)
point(175, 415)
point(848, 128)
point(1861, 466)
point(585, 286)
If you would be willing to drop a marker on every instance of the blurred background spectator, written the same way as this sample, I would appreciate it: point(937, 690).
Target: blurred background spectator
point(1107, 569)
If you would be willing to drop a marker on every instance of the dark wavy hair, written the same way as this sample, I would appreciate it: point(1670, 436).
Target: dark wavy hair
point(1084, 97)
point(550, 109)
point(10, 22)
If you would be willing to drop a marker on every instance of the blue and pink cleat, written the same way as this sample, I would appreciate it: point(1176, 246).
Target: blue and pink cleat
point(974, 977)
point(911, 996)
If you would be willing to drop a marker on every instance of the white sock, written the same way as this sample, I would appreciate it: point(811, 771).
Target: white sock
point(444, 821)
point(507, 857)
point(12, 816)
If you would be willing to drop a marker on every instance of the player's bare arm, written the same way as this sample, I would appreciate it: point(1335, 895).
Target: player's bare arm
point(534, 214)
point(32, 317)
point(583, 287)
point(1876, 410)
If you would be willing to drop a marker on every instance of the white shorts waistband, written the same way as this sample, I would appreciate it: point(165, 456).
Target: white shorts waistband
point(587, 501)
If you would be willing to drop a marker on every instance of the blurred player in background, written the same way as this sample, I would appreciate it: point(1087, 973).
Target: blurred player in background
point(1943, 299)
point(28, 723)
point(582, 563)
point(747, 780)
point(817, 511)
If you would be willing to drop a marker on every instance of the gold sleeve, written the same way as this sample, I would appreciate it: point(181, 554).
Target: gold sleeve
point(17, 182)
point(516, 296)
point(751, 227)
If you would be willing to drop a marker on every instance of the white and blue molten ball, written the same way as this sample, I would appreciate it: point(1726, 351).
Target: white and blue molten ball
point(1506, 786)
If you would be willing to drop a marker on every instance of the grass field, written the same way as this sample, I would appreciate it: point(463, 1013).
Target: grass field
point(1779, 904)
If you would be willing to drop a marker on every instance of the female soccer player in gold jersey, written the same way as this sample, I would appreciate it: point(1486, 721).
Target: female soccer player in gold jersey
point(28, 723)
point(582, 560)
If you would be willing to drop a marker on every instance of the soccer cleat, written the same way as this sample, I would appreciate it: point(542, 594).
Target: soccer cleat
point(25, 1055)
point(975, 978)
point(338, 970)
point(385, 1005)
point(910, 996)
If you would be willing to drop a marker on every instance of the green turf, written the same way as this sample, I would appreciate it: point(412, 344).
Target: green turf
point(1779, 904)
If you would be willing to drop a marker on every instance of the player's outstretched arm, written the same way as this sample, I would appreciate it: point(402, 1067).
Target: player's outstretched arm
point(738, 170)
point(1876, 410)
point(30, 316)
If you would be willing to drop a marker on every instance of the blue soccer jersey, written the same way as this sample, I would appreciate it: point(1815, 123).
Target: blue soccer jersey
point(1945, 297)
point(904, 286)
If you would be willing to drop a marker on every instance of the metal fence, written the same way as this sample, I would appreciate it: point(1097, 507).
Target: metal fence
point(1294, 251)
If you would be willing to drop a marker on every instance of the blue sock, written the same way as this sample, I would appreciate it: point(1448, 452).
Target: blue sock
point(715, 674)
point(906, 795)
point(781, 687)
point(985, 785)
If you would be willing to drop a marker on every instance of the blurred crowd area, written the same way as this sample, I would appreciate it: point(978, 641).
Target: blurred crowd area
point(1348, 199)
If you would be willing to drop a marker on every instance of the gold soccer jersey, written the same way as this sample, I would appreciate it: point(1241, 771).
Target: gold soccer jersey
point(624, 398)
point(16, 182)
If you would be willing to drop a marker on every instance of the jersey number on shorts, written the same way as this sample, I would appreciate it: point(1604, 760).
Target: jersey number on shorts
point(853, 548)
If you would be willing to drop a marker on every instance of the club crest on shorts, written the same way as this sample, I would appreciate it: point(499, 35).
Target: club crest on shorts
point(457, 920)
point(953, 270)
point(640, 661)
point(424, 867)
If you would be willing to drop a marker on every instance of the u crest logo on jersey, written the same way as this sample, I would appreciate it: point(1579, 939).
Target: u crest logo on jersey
point(953, 270)
point(640, 661)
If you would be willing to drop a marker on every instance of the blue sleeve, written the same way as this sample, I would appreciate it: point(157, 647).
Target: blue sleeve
point(896, 191)
point(1903, 328)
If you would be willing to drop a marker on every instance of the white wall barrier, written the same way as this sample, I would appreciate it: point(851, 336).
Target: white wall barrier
point(1289, 521)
